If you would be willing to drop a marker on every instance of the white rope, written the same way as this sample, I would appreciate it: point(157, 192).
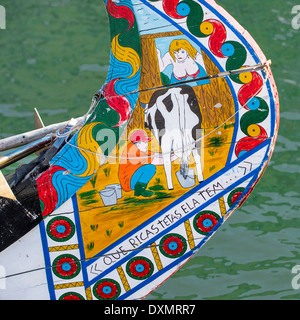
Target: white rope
point(188, 147)
point(81, 123)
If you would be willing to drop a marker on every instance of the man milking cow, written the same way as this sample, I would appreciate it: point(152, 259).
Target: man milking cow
point(138, 164)
point(173, 116)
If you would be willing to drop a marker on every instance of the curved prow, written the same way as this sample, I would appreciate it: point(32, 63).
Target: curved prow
point(47, 182)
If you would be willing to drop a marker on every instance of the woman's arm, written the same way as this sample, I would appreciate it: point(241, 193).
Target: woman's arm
point(198, 58)
point(164, 61)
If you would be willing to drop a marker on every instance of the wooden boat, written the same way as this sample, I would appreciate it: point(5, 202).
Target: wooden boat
point(175, 140)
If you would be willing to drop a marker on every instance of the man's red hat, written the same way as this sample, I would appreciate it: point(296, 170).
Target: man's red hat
point(139, 135)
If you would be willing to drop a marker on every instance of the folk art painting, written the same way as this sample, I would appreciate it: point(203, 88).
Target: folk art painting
point(177, 138)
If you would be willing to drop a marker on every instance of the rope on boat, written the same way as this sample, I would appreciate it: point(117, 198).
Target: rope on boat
point(190, 146)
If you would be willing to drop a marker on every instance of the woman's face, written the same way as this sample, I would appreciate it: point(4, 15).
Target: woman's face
point(180, 55)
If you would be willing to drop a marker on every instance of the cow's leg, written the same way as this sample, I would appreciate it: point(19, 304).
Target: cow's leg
point(168, 169)
point(166, 147)
point(197, 159)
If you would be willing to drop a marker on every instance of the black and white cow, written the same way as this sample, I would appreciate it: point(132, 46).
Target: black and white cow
point(173, 116)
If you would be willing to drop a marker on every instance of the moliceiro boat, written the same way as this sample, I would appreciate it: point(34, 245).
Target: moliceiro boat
point(176, 139)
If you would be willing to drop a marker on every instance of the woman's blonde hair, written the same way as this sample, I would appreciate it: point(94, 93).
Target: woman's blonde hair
point(176, 45)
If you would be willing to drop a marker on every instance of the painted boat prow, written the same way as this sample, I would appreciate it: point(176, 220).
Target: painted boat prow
point(115, 219)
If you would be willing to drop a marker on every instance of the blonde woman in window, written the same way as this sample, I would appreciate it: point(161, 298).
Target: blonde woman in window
point(186, 62)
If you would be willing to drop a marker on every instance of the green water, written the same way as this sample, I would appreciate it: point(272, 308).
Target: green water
point(54, 55)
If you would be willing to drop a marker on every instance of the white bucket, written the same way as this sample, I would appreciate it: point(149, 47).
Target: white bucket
point(189, 181)
point(118, 189)
point(109, 197)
